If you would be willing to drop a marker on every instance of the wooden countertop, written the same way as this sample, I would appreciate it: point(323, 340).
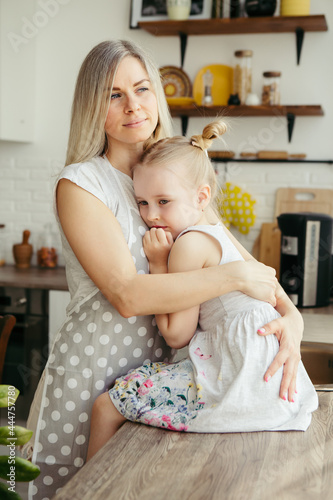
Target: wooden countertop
point(34, 277)
point(142, 463)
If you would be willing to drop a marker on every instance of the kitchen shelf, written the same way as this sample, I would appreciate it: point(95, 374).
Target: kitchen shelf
point(242, 25)
point(259, 160)
point(290, 112)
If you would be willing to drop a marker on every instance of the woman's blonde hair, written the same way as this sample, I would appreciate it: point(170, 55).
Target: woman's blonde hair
point(87, 136)
point(190, 154)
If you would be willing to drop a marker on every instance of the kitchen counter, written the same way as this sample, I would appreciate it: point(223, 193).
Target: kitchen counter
point(33, 277)
point(144, 462)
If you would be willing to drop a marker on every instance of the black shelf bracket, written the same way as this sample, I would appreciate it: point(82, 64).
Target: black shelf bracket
point(291, 123)
point(183, 44)
point(184, 120)
point(299, 42)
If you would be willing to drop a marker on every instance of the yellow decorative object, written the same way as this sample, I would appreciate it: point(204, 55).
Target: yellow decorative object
point(237, 208)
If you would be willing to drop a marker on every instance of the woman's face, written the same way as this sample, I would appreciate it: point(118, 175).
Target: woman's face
point(133, 113)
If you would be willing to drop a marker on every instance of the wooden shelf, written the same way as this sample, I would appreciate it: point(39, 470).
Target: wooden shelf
point(288, 111)
point(257, 160)
point(241, 111)
point(241, 25)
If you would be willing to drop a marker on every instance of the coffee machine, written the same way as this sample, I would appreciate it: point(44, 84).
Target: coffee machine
point(306, 257)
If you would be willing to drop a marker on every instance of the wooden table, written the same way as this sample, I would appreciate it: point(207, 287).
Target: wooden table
point(145, 463)
point(33, 277)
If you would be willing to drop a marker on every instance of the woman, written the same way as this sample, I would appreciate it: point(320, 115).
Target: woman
point(118, 109)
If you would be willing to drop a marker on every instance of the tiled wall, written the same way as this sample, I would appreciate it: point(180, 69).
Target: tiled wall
point(27, 171)
point(26, 187)
point(26, 193)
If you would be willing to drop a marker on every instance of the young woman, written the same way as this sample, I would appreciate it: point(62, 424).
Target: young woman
point(118, 109)
point(220, 386)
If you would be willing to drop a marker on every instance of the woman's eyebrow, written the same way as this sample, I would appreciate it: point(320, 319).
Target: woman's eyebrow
point(134, 84)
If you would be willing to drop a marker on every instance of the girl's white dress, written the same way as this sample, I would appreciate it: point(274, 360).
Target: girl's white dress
point(220, 386)
point(94, 346)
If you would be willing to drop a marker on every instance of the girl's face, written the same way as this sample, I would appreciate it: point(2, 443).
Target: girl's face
point(133, 113)
point(164, 200)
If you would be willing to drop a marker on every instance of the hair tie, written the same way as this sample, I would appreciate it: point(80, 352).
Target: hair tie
point(195, 144)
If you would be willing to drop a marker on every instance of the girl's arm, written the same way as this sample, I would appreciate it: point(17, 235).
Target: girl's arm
point(288, 330)
point(98, 243)
point(194, 250)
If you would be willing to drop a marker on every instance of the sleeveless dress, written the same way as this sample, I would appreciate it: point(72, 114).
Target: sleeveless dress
point(94, 345)
point(220, 386)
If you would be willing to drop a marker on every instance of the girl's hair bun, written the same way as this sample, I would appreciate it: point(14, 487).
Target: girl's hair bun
point(209, 133)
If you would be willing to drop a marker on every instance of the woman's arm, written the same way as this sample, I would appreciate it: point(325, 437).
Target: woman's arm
point(288, 330)
point(98, 243)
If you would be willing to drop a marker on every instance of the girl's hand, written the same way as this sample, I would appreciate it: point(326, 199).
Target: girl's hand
point(157, 244)
point(289, 331)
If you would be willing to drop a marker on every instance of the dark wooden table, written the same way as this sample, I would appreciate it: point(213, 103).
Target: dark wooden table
point(145, 463)
point(33, 277)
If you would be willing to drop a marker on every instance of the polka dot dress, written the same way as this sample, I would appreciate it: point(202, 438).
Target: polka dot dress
point(94, 346)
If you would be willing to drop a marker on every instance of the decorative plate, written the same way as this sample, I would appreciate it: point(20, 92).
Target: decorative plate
point(176, 82)
point(221, 86)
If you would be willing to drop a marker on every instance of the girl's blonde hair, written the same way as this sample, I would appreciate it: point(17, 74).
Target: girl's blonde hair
point(92, 96)
point(190, 154)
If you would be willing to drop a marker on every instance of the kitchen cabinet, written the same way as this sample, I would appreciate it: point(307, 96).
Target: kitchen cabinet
point(38, 299)
point(274, 24)
point(18, 30)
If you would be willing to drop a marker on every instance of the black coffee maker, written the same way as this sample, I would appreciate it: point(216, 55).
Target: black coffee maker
point(306, 257)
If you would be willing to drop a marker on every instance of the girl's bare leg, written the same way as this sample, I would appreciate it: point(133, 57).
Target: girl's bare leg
point(105, 421)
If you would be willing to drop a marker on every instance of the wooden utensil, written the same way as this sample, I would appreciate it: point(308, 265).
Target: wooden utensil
point(23, 252)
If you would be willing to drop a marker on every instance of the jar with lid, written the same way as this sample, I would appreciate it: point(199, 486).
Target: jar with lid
point(243, 74)
point(47, 256)
point(271, 88)
point(207, 99)
point(2, 245)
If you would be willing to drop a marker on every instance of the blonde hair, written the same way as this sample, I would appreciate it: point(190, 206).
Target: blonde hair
point(87, 136)
point(190, 154)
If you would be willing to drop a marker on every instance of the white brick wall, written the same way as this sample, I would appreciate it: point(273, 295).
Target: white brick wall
point(26, 200)
point(27, 171)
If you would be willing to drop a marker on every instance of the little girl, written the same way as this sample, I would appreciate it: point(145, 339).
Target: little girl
point(219, 387)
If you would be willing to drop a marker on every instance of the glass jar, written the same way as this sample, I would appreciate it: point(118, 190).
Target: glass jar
point(207, 99)
point(243, 74)
point(2, 245)
point(271, 88)
point(47, 256)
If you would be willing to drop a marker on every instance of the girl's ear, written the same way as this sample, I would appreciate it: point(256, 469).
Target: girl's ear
point(204, 195)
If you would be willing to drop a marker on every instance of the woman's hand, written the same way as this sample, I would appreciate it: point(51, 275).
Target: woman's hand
point(289, 331)
point(257, 280)
point(157, 244)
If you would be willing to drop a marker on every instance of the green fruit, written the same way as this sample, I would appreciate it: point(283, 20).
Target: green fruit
point(23, 470)
point(18, 435)
point(6, 494)
point(8, 391)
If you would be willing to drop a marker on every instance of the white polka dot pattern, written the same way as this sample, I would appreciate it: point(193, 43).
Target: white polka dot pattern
point(94, 346)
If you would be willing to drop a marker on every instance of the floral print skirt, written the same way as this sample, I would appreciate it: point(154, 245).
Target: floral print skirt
point(159, 394)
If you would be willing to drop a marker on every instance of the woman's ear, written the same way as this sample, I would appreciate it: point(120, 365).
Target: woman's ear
point(204, 195)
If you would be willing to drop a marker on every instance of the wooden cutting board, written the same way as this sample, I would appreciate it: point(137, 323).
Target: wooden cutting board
point(291, 200)
point(267, 246)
